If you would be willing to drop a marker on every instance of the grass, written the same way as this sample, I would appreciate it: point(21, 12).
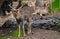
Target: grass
point(1, 38)
point(16, 32)
point(55, 5)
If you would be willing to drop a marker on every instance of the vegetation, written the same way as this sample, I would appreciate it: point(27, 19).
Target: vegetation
point(55, 5)
point(16, 32)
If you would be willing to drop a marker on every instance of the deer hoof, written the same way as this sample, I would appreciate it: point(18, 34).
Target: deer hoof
point(24, 34)
point(29, 32)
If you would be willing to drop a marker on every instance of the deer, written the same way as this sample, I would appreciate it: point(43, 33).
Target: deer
point(22, 18)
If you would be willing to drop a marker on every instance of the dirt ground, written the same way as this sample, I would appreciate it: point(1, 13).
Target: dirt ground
point(42, 34)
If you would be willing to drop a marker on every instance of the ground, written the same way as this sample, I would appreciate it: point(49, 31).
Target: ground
point(41, 34)
point(38, 33)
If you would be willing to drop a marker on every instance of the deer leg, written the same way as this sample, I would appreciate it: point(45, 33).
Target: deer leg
point(29, 28)
point(23, 30)
point(19, 29)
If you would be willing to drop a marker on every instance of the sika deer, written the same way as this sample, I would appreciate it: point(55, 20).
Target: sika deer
point(23, 17)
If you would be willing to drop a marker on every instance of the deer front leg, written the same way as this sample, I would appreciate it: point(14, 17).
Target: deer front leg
point(23, 30)
point(19, 29)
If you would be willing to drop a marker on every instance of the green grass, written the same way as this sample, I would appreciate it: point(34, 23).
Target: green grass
point(13, 34)
point(16, 32)
point(1, 38)
point(55, 5)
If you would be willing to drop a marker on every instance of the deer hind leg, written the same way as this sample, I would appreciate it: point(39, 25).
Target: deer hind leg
point(29, 28)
